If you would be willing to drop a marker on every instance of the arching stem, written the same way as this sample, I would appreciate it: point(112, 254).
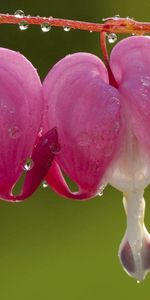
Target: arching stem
point(103, 45)
point(114, 24)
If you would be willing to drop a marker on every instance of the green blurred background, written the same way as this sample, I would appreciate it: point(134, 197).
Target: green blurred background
point(50, 247)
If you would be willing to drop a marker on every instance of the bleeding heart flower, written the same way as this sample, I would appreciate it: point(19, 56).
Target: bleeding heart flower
point(104, 133)
point(21, 112)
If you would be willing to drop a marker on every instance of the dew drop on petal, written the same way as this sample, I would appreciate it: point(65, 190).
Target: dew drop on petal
point(28, 164)
point(112, 38)
point(14, 132)
point(101, 190)
point(66, 28)
point(23, 25)
point(145, 80)
point(44, 184)
point(116, 126)
point(45, 27)
point(100, 194)
point(54, 148)
point(19, 13)
point(40, 132)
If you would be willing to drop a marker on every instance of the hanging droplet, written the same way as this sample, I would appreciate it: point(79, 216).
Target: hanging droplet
point(138, 281)
point(66, 28)
point(91, 31)
point(23, 25)
point(19, 13)
point(112, 38)
point(45, 27)
point(100, 194)
point(117, 16)
point(44, 184)
point(28, 164)
point(101, 190)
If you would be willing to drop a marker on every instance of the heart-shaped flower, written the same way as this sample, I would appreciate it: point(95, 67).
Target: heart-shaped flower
point(21, 120)
point(104, 134)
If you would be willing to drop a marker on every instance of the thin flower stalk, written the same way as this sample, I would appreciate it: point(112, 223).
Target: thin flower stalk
point(112, 24)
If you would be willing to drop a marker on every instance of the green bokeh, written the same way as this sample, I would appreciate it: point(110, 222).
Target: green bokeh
point(53, 248)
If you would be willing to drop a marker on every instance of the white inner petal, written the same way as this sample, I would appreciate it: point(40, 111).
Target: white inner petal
point(131, 174)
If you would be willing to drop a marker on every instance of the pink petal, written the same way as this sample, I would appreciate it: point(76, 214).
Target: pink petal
point(130, 63)
point(21, 107)
point(55, 179)
point(86, 111)
point(42, 157)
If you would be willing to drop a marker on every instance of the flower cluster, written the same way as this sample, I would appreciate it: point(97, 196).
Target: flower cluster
point(79, 122)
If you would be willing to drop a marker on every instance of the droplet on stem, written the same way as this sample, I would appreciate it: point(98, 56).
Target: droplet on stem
point(45, 27)
point(117, 16)
point(23, 25)
point(66, 28)
point(19, 13)
point(112, 38)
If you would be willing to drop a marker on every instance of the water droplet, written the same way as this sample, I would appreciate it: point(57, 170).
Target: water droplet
point(112, 38)
point(40, 132)
point(91, 31)
point(100, 194)
point(14, 132)
point(28, 164)
point(116, 126)
point(19, 13)
point(145, 80)
point(45, 27)
point(67, 28)
point(23, 25)
point(55, 148)
point(101, 190)
point(117, 16)
point(44, 184)
point(138, 281)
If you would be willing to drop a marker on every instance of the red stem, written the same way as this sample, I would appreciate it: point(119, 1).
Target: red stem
point(117, 25)
point(103, 44)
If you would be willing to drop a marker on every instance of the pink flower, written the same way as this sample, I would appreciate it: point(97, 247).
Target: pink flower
point(104, 134)
point(21, 112)
point(100, 118)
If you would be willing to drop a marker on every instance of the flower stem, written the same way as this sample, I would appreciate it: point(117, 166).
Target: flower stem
point(114, 24)
point(103, 45)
